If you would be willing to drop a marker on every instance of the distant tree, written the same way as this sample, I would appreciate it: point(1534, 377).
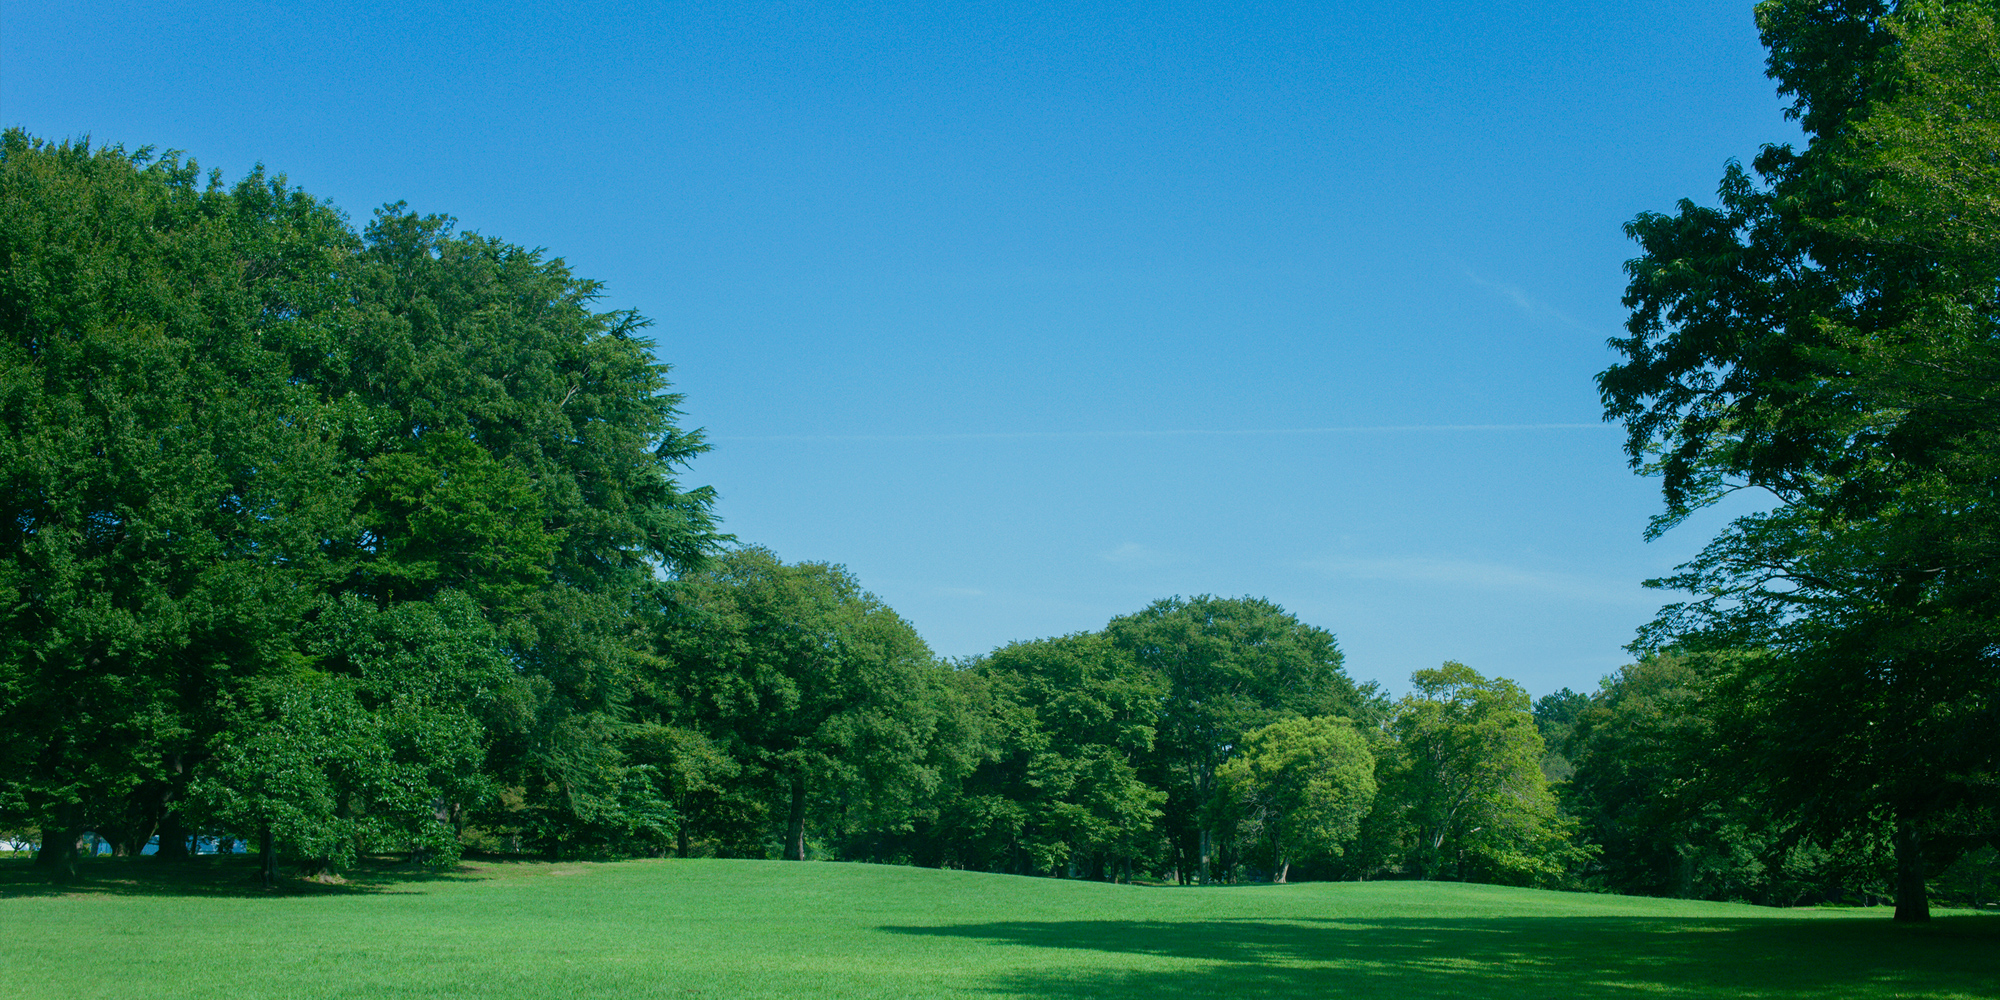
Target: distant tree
point(1555, 720)
point(1641, 789)
point(1071, 719)
point(1229, 665)
point(828, 700)
point(691, 766)
point(1659, 787)
point(1308, 781)
point(1462, 774)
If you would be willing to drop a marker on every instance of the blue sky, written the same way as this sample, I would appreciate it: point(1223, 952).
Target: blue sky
point(1030, 314)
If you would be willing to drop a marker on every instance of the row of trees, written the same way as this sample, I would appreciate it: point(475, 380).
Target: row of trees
point(1197, 739)
point(340, 542)
point(346, 542)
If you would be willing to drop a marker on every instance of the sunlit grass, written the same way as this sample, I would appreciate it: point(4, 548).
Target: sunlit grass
point(769, 929)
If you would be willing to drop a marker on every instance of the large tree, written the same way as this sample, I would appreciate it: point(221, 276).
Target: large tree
point(513, 443)
point(1828, 335)
point(233, 423)
point(168, 483)
point(1070, 720)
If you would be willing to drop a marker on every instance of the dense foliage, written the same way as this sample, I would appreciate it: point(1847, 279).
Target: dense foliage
point(351, 542)
point(1830, 335)
point(311, 530)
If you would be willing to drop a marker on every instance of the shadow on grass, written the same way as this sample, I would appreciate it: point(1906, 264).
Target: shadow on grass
point(1566, 958)
point(227, 876)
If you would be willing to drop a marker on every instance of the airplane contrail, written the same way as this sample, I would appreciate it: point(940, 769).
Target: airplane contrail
point(1192, 432)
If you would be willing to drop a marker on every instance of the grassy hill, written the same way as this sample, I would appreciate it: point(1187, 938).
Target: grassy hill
point(688, 929)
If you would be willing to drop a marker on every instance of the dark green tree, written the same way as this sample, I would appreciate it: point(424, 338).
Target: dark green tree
point(519, 446)
point(1827, 335)
point(1658, 788)
point(827, 699)
point(1229, 665)
point(1070, 721)
point(168, 483)
point(229, 418)
point(1555, 720)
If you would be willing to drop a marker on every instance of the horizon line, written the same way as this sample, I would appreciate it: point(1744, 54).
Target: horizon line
point(1191, 432)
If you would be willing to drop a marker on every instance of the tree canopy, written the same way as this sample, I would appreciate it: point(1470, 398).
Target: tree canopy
point(240, 434)
point(1309, 781)
point(1229, 665)
point(825, 698)
point(1827, 335)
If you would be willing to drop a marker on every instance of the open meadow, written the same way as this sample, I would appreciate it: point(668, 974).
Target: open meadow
point(707, 928)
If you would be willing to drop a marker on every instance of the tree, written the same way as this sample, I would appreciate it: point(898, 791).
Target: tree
point(1657, 787)
point(317, 772)
point(1462, 774)
point(1230, 665)
point(167, 482)
point(1828, 335)
point(1555, 720)
point(827, 698)
point(517, 445)
point(1071, 720)
point(229, 417)
point(1309, 780)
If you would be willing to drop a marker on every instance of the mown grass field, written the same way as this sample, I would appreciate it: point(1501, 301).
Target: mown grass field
point(688, 929)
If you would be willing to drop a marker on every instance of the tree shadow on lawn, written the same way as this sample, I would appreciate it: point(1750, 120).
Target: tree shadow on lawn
point(232, 876)
point(1567, 958)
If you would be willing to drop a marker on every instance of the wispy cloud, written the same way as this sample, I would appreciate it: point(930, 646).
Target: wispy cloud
point(1527, 303)
point(1488, 576)
point(1186, 432)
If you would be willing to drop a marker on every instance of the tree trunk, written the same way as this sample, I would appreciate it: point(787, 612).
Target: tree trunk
point(795, 823)
point(1278, 849)
point(173, 838)
point(1207, 845)
point(1913, 903)
point(1683, 866)
point(269, 854)
point(58, 852)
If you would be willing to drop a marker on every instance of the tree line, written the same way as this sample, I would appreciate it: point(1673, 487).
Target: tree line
point(341, 542)
point(347, 542)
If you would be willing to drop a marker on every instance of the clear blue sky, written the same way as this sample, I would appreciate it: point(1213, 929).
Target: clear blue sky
point(1030, 314)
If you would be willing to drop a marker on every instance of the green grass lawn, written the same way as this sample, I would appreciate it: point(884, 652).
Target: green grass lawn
point(690, 929)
